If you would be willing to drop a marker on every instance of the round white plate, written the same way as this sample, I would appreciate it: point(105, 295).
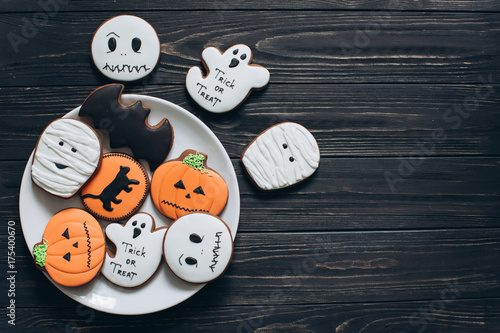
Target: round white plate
point(164, 290)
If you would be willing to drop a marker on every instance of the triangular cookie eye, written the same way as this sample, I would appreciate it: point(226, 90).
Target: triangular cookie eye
point(199, 190)
point(66, 233)
point(75, 245)
point(67, 256)
point(180, 184)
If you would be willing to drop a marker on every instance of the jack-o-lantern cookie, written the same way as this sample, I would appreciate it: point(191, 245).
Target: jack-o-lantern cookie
point(125, 48)
point(139, 248)
point(118, 189)
point(72, 249)
point(187, 185)
point(281, 156)
point(230, 78)
point(198, 247)
point(66, 156)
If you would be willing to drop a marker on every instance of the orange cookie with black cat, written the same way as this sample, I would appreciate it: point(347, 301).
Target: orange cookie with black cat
point(118, 189)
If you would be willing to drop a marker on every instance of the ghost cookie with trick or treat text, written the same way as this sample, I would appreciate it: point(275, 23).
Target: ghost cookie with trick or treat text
point(118, 189)
point(281, 156)
point(186, 185)
point(72, 248)
point(198, 247)
point(230, 78)
point(67, 154)
point(138, 251)
point(125, 48)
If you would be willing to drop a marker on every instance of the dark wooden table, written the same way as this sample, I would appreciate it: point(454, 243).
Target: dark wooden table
point(399, 229)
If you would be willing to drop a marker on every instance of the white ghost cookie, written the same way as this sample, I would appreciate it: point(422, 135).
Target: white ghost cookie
point(138, 253)
point(198, 247)
point(125, 48)
point(66, 156)
point(230, 78)
point(281, 156)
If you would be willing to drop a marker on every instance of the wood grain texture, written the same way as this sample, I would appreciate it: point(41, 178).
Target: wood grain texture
point(296, 47)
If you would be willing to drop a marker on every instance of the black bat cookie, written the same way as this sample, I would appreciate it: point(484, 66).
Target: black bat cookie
point(127, 125)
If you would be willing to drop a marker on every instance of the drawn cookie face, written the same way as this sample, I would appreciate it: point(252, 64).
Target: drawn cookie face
point(230, 78)
point(67, 155)
point(125, 48)
point(198, 247)
point(281, 156)
point(139, 249)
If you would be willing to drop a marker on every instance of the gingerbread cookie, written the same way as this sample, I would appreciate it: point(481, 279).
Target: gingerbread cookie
point(118, 189)
point(139, 248)
point(72, 248)
point(198, 247)
point(66, 156)
point(281, 156)
point(187, 185)
point(128, 125)
point(230, 78)
point(125, 48)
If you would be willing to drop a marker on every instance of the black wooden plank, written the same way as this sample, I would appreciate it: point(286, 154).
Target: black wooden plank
point(355, 194)
point(297, 47)
point(439, 315)
point(51, 6)
point(325, 268)
point(347, 120)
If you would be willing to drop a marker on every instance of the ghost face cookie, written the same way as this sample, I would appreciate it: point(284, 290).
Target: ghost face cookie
point(139, 248)
point(198, 247)
point(230, 78)
point(281, 156)
point(118, 189)
point(66, 156)
point(72, 248)
point(125, 48)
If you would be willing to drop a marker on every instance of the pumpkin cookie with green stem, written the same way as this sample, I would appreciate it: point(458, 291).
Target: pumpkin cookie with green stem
point(186, 185)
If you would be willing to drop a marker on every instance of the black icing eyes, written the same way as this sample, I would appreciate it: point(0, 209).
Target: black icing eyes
point(112, 44)
point(136, 44)
point(243, 56)
point(195, 238)
point(235, 52)
point(191, 261)
point(199, 190)
point(285, 146)
point(180, 185)
point(134, 223)
point(143, 225)
point(73, 149)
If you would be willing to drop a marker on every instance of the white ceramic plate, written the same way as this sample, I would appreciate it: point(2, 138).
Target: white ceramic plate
point(164, 290)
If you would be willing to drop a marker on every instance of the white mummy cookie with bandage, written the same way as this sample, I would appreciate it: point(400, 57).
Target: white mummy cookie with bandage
point(198, 247)
point(66, 156)
point(230, 78)
point(139, 248)
point(281, 156)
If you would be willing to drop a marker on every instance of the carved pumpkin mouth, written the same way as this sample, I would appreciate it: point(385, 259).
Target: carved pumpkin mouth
point(183, 208)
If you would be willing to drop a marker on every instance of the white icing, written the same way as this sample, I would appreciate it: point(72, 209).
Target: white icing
point(136, 258)
point(80, 152)
point(268, 162)
point(224, 88)
point(198, 262)
point(123, 63)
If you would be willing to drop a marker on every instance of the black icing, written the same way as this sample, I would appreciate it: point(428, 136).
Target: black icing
point(67, 256)
point(199, 190)
point(136, 44)
point(243, 56)
point(195, 238)
point(191, 261)
point(112, 44)
point(66, 233)
point(234, 62)
point(137, 232)
point(180, 184)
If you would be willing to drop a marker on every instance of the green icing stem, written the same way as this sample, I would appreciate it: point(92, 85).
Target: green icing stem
point(40, 252)
point(196, 162)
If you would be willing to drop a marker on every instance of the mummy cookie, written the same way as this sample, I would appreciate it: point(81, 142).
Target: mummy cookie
point(125, 48)
point(72, 248)
point(230, 78)
point(187, 185)
point(198, 247)
point(281, 156)
point(127, 125)
point(118, 189)
point(66, 156)
point(139, 248)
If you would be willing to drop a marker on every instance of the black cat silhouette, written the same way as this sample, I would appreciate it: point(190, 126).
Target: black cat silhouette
point(109, 193)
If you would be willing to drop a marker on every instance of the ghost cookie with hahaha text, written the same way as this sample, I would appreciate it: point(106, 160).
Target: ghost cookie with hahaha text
point(139, 248)
point(230, 78)
point(125, 48)
point(198, 247)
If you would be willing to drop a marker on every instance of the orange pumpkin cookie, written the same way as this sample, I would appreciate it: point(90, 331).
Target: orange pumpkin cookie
point(118, 189)
point(72, 249)
point(186, 185)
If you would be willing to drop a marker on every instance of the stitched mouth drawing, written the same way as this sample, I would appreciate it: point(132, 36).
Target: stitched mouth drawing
point(60, 166)
point(183, 208)
point(123, 68)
